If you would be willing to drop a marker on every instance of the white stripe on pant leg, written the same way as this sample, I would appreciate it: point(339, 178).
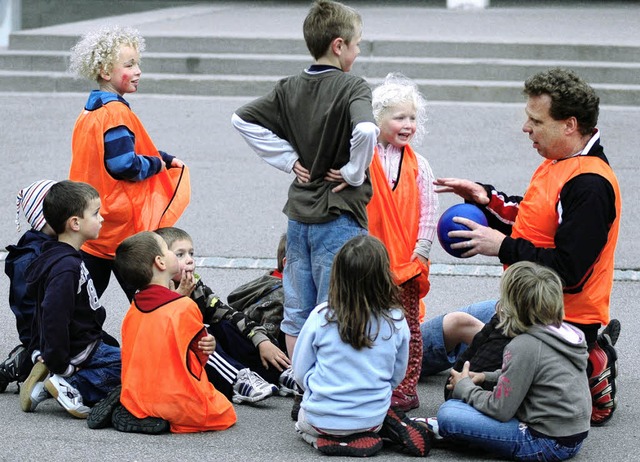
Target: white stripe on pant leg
point(226, 370)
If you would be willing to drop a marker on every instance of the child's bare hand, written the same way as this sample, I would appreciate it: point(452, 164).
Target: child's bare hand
point(207, 344)
point(302, 174)
point(187, 283)
point(456, 376)
point(177, 163)
point(477, 377)
point(272, 355)
point(334, 175)
point(419, 257)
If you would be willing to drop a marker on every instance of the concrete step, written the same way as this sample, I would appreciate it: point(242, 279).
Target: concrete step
point(249, 66)
point(34, 40)
point(242, 85)
point(369, 67)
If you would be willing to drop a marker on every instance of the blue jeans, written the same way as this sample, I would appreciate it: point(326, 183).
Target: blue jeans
point(98, 375)
point(512, 439)
point(310, 251)
point(435, 357)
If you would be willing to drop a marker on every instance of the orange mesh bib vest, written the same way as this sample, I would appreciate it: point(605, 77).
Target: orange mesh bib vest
point(127, 207)
point(394, 216)
point(162, 376)
point(538, 220)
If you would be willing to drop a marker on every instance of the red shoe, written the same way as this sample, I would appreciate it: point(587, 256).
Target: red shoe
point(603, 362)
point(404, 402)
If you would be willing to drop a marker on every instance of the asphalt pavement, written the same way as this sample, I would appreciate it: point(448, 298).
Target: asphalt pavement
point(235, 216)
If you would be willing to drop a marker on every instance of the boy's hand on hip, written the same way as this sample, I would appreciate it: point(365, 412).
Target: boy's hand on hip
point(302, 174)
point(334, 176)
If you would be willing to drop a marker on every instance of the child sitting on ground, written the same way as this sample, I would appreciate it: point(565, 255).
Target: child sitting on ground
point(17, 366)
point(540, 406)
point(350, 355)
point(245, 354)
point(163, 375)
point(71, 361)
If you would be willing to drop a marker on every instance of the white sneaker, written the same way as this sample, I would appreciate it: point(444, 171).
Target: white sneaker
point(250, 387)
point(68, 396)
point(38, 395)
point(431, 423)
point(288, 385)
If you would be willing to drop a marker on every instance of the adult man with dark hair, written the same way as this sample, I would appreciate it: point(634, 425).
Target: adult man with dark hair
point(567, 220)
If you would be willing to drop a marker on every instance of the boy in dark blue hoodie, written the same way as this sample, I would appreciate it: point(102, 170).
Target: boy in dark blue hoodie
point(17, 365)
point(71, 362)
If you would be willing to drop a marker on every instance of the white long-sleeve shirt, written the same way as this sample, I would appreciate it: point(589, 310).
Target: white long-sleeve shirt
point(280, 154)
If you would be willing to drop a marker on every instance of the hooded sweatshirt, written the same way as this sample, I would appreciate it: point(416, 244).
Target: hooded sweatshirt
point(69, 318)
point(543, 383)
point(19, 257)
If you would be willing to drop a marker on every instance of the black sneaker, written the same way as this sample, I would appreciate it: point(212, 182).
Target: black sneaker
point(295, 410)
point(124, 421)
point(10, 367)
point(612, 330)
point(101, 414)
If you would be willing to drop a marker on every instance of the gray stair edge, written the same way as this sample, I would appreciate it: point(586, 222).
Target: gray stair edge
point(275, 78)
point(24, 40)
point(300, 58)
point(436, 90)
point(272, 70)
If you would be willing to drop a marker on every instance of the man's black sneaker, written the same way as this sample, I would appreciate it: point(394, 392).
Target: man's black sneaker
point(612, 330)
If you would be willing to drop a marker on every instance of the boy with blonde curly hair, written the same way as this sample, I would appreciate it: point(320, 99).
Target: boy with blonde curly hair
point(112, 151)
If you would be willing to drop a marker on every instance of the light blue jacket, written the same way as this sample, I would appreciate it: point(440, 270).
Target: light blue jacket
point(345, 388)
